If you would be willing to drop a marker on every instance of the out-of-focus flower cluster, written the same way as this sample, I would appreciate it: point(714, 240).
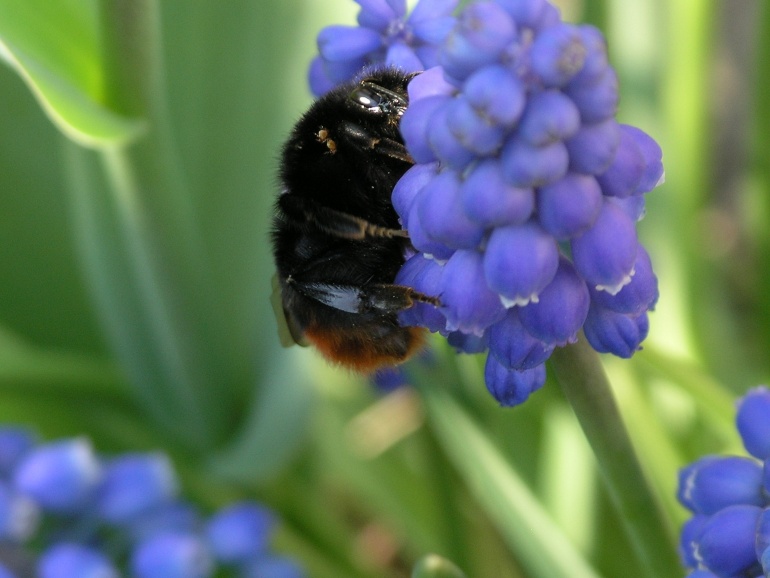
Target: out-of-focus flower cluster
point(523, 201)
point(728, 535)
point(67, 513)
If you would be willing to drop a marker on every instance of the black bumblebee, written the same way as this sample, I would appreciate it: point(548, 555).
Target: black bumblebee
point(337, 241)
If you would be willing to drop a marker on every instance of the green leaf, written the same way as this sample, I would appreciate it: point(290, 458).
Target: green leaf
point(538, 542)
point(53, 45)
point(433, 566)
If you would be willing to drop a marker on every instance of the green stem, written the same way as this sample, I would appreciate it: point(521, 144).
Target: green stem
point(581, 375)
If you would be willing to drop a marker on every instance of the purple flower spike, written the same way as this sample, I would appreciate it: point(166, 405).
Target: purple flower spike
point(60, 476)
point(400, 55)
point(616, 333)
point(754, 422)
point(525, 165)
point(19, 515)
point(75, 561)
point(377, 14)
point(429, 83)
point(439, 221)
point(415, 127)
point(444, 143)
point(172, 555)
point(653, 155)
point(593, 147)
point(622, 177)
point(557, 55)
point(520, 261)
point(561, 310)
point(15, 443)
point(424, 275)
point(470, 305)
point(596, 61)
point(497, 94)
point(726, 543)
point(528, 13)
point(714, 483)
point(570, 206)
point(688, 541)
point(176, 517)
point(240, 532)
point(5, 572)
point(606, 253)
point(420, 239)
point(133, 484)
point(638, 296)
point(510, 387)
point(337, 43)
point(762, 540)
point(513, 347)
point(550, 116)
point(474, 132)
point(490, 201)
point(468, 343)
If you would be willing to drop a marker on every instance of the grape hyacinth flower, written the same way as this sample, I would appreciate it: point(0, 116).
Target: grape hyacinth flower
point(119, 516)
point(385, 34)
point(728, 535)
point(523, 200)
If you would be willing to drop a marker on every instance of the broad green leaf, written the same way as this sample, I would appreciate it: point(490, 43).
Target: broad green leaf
point(54, 47)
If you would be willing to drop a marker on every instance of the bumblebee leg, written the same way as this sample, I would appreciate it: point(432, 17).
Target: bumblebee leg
point(381, 298)
point(359, 137)
point(333, 222)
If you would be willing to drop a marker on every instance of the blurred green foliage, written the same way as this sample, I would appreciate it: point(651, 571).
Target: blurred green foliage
point(136, 274)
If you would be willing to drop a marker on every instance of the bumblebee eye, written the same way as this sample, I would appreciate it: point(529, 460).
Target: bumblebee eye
point(378, 100)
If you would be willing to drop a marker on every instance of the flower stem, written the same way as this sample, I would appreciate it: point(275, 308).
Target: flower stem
point(582, 378)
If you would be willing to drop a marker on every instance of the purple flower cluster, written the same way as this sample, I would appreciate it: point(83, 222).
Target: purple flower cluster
point(523, 201)
point(728, 535)
point(91, 516)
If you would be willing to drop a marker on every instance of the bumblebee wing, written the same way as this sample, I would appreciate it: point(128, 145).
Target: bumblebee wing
point(375, 298)
point(288, 330)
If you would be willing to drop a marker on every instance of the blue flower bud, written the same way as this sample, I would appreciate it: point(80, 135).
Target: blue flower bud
point(430, 10)
point(432, 31)
point(15, 443)
point(636, 297)
point(688, 540)
point(482, 32)
point(420, 239)
point(525, 165)
point(438, 218)
point(611, 332)
point(549, 116)
point(415, 127)
point(75, 561)
point(376, 14)
point(703, 574)
point(519, 262)
point(468, 343)
point(176, 517)
point(133, 484)
point(652, 154)
point(474, 132)
point(513, 347)
point(19, 515)
point(490, 201)
point(557, 54)
point(408, 187)
point(623, 176)
point(469, 305)
point(60, 476)
point(570, 206)
point(596, 61)
point(429, 83)
point(403, 56)
point(561, 309)
point(592, 148)
point(172, 555)
point(5, 572)
point(272, 567)
point(240, 532)
point(633, 206)
point(527, 13)
point(446, 146)
point(510, 387)
point(497, 94)
point(388, 379)
point(765, 561)
point(598, 100)
point(753, 422)
point(341, 43)
point(714, 483)
point(605, 254)
point(762, 539)
point(726, 542)
point(424, 275)
point(320, 82)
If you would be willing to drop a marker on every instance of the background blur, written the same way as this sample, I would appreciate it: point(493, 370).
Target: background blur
point(365, 482)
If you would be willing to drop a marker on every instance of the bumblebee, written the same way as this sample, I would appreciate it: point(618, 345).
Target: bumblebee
point(336, 238)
